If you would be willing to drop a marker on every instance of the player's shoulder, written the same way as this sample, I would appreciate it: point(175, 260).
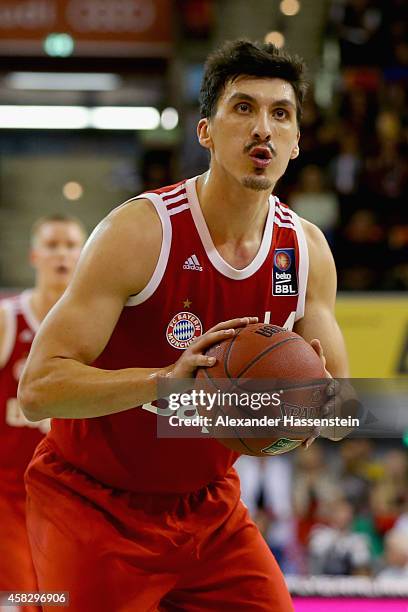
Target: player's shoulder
point(144, 219)
point(321, 260)
point(142, 205)
point(316, 240)
point(135, 223)
point(123, 250)
point(313, 234)
point(136, 210)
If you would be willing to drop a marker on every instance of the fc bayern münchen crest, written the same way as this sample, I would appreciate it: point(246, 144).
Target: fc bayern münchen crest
point(183, 329)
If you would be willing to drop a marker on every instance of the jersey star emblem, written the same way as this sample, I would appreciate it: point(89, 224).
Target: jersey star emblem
point(187, 303)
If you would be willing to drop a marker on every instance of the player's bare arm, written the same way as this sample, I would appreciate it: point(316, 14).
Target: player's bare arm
point(319, 325)
point(117, 262)
point(319, 321)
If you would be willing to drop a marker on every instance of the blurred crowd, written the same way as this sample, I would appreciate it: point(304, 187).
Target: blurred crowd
point(352, 174)
point(332, 509)
point(343, 509)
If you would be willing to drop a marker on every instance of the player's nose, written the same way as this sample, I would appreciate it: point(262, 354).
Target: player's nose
point(261, 129)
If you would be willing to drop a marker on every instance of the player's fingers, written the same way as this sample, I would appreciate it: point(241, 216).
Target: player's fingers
point(316, 345)
point(208, 339)
point(309, 441)
point(202, 361)
point(333, 388)
point(233, 323)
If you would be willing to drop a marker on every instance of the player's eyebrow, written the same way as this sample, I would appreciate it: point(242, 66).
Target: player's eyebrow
point(284, 102)
point(238, 95)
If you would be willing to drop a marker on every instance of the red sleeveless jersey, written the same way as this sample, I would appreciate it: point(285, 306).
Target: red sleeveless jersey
point(192, 289)
point(18, 437)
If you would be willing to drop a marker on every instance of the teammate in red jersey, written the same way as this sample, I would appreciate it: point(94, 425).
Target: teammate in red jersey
point(121, 518)
point(56, 244)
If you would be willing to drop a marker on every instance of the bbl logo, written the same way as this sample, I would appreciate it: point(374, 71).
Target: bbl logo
point(183, 329)
point(284, 277)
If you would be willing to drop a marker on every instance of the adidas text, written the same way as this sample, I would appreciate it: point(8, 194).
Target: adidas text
point(189, 266)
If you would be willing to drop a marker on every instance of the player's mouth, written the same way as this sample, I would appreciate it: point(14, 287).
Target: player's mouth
point(261, 157)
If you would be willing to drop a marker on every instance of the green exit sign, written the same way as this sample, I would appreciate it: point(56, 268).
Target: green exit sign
point(59, 45)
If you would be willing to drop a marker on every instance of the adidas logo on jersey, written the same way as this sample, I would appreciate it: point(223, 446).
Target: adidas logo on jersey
point(192, 263)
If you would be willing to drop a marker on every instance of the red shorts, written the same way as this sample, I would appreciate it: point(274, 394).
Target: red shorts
point(16, 567)
point(116, 551)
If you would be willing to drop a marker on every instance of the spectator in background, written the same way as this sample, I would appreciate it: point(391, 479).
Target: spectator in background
point(266, 490)
point(363, 252)
point(334, 549)
point(358, 109)
point(386, 174)
point(389, 495)
point(396, 555)
point(345, 171)
point(313, 489)
point(314, 202)
point(358, 26)
point(312, 122)
point(402, 522)
point(358, 469)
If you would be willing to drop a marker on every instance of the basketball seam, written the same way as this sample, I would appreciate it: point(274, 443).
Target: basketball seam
point(212, 378)
point(265, 352)
point(226, 356)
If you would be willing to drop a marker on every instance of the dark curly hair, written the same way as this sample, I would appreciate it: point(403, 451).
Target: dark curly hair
point(242, 57)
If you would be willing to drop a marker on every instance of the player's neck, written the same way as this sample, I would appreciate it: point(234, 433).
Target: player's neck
point(232, 212)
point(43, 299)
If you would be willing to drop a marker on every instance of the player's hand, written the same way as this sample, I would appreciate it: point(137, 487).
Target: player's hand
point(193, 357)
point(342, 402)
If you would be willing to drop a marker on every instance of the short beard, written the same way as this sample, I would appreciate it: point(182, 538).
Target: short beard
point(257, 183)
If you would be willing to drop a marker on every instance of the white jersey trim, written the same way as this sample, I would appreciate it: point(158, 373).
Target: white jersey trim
point(174, 211)
point(10, 330)
point(161, 265)
point(25, 304)
point(175, 199)
point(303, 265)
point(217, 261)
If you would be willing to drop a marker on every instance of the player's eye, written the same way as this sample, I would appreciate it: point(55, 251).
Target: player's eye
point(243, 107)
point(280, 113)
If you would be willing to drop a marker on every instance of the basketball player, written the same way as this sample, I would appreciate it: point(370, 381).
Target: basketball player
point(55, 248)
point(123, 519)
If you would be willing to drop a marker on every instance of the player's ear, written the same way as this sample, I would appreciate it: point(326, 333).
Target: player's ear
point(295, 150)
point(204, 133)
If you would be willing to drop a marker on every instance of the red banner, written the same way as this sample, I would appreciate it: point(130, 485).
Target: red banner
point(101, 27)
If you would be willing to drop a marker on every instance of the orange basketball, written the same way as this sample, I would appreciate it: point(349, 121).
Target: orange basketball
point(263, 361)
